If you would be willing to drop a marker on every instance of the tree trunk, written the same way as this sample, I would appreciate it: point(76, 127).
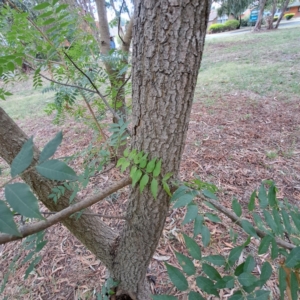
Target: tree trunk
point(283, 9)
point(271, 17)
point(168, 43)
point(262, 5)
point(92, 232)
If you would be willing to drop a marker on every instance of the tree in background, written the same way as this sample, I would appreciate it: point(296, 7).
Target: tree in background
point(234, 8)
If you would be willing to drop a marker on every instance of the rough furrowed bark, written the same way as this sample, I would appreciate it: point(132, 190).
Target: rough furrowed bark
point(92, 232)
point(168, 42)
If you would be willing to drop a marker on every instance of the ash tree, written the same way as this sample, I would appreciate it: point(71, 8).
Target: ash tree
point(63, 47)
point(167, 47)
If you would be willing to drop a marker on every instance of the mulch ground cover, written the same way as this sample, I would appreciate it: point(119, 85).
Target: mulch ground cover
point(235, 143)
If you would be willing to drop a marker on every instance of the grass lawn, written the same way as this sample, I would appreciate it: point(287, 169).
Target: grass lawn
point(266, 64)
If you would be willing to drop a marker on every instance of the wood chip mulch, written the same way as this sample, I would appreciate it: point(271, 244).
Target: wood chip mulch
point(235, 143)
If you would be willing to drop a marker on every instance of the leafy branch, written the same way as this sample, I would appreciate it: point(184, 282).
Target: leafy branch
point(65, 213)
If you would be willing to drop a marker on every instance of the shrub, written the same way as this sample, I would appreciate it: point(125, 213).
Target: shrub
point(289, 16)
point(275, 19)
point(214, 28)
point(245, 22)
point(232, 24)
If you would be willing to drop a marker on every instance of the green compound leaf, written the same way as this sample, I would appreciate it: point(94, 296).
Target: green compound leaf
point(191, 213)
point(247, 279)
point(157, 168)
point(51, 147)
point(143, 182)
point(235, 254)
point(23, 159)
point(286, 221)
point(206, 285)
point(260, 295)
point(32, 265)
point(7, 223)
point(209, 194)
point(217, 260)
point(251, 204)
point(266, 272)
point(294, 258)
point(265, 244)
point(154, 187)
point(282, 282)
point(184, 200)
point(236, 207)
point(211, 272)
point(205, 235)
point(41, 6)
point(150, 165)
point(182, 190)
point(294, 286)
point(56, 170)
point(237, 296)
point(249, 264)
point(195, 296)
point(247, 226)
point(61, 7)
point(167, 188)
point(136, 177)
point(198, 224)
point(212, 217)
point(143, 161)
point(177, 278)
point(262, 197)
point(186, 264)
point(22, 200)
point(192, 247)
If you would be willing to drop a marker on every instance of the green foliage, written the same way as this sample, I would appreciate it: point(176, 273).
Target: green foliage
point(245, 22)
point(218, 272)
point(228, 25)
point(23, 160)
point(34, 244)
point(142, 171)
point(232, 24)
point(289, 16)
point(215, 28)
point(107, 290)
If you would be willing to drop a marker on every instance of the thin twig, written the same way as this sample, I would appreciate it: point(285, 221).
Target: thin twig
point(237, 221)
point(65, 213)
point(93, 85)
point(69, 85)
point(111, 150)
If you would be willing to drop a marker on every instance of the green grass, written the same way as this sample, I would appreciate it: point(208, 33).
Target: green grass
point(266, 64)
point(26, 102)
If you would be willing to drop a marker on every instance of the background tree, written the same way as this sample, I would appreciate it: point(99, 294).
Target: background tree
point(234, 8)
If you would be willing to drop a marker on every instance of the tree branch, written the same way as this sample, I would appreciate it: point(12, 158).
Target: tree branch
point(65, 213)
point(83, 214)
point(237, 221)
